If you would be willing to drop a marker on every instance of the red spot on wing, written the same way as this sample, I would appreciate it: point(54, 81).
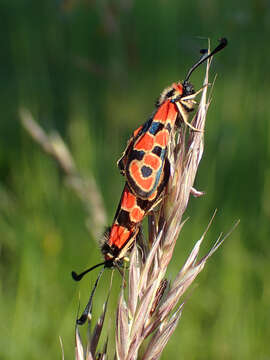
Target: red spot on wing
point(119, 235)
point(135, 172)
point(143, 186)
point(145, 143)
point(167, 112)
point(172, 113)
point(161, 138)
point(152, 160)
point(137, 214)
point(128, 200)
point(162, 112)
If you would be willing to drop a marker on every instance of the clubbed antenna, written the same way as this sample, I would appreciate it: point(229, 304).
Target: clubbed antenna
point(78, 277)
point(222, 44)
point(87, 311)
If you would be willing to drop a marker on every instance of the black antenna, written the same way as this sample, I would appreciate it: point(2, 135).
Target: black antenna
point(222, 44)
point(78, 277)
point(87, 311)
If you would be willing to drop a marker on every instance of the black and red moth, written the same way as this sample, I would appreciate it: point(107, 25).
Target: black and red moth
point(145, 156)
point(146, 166)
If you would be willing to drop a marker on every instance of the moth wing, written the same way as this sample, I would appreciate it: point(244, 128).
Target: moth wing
point(122, 162)
point(145, 161)
point(143, 175)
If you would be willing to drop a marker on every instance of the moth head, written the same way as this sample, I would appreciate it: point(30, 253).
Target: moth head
point(188, 88)
point(183, 92)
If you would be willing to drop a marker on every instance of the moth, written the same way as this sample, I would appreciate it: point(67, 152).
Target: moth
point(145, 156)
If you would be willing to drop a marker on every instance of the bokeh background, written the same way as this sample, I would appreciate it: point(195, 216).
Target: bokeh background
point(92, 70)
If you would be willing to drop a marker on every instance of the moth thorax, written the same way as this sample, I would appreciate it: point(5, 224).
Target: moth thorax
point(173, 92)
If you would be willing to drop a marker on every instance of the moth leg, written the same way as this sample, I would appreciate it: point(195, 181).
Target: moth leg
point(193, 96)
point(154, 205)
point(186, 104)
point(196, 193)
point(184, 115)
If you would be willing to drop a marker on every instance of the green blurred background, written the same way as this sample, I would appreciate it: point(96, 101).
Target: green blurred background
point(92, 70)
